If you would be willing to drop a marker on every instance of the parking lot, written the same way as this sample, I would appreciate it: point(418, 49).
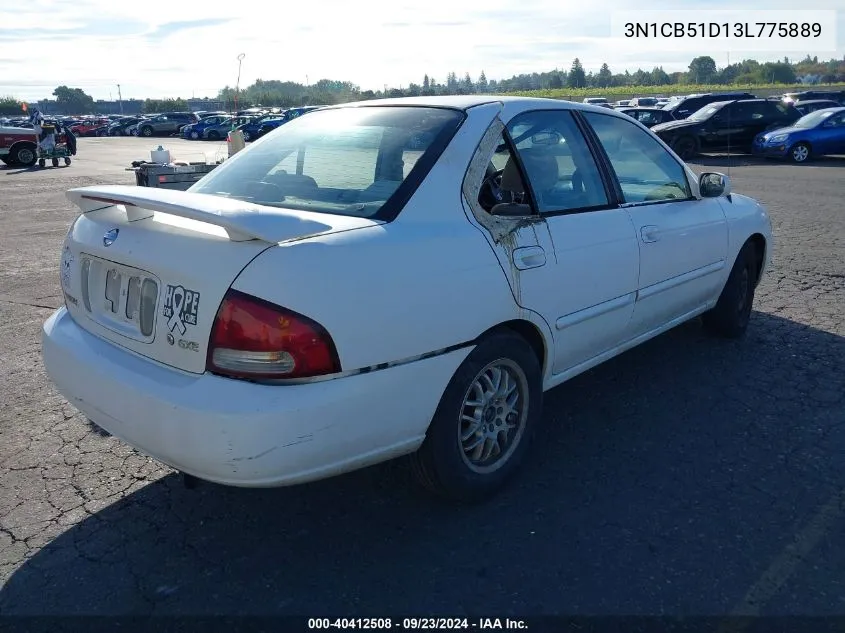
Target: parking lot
point(689, 476)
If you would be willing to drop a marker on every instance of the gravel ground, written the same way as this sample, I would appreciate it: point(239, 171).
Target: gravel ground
point(687, 476)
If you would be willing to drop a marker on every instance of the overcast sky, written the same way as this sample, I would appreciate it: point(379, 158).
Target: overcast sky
point(165, 48)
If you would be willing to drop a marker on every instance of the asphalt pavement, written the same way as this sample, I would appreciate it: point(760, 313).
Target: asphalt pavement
point(689, 476)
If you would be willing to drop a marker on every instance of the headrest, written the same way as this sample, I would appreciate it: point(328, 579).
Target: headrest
point(543, 169)
point(511, 178)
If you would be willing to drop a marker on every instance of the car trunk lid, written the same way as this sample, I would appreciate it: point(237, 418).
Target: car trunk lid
point(147, 268)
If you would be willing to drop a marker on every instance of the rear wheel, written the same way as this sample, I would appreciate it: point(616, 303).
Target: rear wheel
point(55, 162)
point(195, 135)
point(799, 153)
point(729, 318)
point(67, 160)
point(146, 131)
point(42, 162)
point(246, 137)
point(484, 423)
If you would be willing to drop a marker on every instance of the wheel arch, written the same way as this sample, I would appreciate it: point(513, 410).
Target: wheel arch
point(530, 332)
point(760, 246)
point(17, 144)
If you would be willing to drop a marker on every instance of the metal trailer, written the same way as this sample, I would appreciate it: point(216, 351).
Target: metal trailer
point(179, 177)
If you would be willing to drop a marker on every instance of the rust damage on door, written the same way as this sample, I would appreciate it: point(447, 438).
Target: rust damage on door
point(507, 233)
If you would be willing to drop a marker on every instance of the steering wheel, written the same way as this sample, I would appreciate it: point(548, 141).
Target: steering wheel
point(491, 192)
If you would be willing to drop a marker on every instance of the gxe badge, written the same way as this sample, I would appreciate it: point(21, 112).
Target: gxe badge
point(110, 237)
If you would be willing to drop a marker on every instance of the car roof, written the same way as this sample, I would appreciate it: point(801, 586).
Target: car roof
point(465, 102)
point(816, 101)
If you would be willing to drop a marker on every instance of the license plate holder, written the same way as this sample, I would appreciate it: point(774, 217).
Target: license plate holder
point(121, 298)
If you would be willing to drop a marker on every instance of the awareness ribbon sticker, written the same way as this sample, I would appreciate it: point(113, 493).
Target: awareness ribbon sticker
point(175, 319)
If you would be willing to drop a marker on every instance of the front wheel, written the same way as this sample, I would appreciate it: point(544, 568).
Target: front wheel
point(213, 136)
point(67, 160)
point(55, 162)
point(146, 131)
point(246, 137)
point(195, 135)
point(23, 155)
point(799, 153)
point(484, 423)
point(729, 318)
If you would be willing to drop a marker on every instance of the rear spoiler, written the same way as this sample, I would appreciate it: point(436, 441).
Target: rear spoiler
point(242, 221)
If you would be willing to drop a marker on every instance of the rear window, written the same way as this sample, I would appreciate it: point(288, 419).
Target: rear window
point(360, 161)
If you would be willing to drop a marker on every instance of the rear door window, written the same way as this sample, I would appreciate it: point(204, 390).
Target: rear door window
point(561, 170)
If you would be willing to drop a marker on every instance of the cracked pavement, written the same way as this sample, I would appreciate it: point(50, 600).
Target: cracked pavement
point(667, 481)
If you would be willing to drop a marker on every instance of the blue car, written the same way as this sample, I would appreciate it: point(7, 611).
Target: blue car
point(271, 123)
point(250, 129)
point(816, 134)
point(196, 130)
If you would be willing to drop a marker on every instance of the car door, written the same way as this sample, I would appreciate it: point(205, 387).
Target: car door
point(576, 261)
point(722, 130)
point(682, 240)
point(830, 136)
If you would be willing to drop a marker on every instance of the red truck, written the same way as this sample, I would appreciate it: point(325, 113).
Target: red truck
point(18, 146)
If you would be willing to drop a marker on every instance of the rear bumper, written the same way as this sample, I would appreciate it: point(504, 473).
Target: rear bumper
point(238, 433)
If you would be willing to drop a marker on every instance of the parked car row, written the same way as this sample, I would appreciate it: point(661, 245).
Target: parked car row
point(796, 125)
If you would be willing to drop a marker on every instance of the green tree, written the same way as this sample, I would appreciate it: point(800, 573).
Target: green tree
point(605, 77)
point(702, 70)
point(10, 105)
point(73, 100)
point(659, 77)
point(153, 106)
point(481, 85)
point(555, 81)
point(778, 73)
point(577, 78)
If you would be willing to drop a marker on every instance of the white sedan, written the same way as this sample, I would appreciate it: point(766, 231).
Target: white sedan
point(388, 278)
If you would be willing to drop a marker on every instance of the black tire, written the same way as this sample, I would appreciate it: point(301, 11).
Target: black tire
point(441, 465)
point(55, 162)
point(67, 160)
point(246, 137)
point(42, 162)
point(729, 318)
point(213, 135)
point(23, 155)
point(685, 147)
point(800, 153)
point(146, 131)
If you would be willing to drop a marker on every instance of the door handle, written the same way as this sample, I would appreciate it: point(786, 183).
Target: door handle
point(649, 233)
point(527, 257)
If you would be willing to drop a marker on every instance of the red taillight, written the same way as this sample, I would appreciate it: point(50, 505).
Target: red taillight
point(252, 338)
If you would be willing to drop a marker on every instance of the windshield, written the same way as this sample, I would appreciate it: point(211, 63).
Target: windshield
point(813, 119)
point(346, 161)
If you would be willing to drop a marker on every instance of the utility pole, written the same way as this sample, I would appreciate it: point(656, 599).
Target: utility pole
point(238, 83)
point(120, 98)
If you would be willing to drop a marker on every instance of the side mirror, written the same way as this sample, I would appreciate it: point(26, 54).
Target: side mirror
point(714, 185)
